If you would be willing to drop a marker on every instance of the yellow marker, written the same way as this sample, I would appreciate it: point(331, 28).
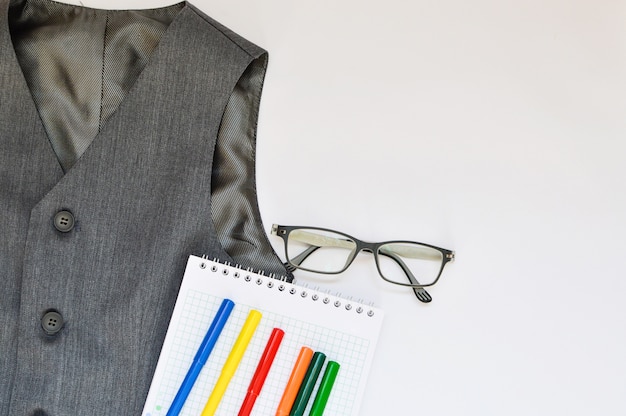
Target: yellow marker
point(231, 364)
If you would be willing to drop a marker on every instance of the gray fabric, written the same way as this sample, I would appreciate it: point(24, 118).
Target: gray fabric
point(140, 195)
point(61, 48)
point(234, 204)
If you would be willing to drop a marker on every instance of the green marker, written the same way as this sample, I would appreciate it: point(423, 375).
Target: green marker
point(308, 384)
point(323, 392)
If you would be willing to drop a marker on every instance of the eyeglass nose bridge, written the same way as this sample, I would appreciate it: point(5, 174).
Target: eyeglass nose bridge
point(359, 246)
point(371, 248)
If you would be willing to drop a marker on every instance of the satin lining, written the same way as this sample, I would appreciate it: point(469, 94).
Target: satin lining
point(234, 200)
point(79, 64)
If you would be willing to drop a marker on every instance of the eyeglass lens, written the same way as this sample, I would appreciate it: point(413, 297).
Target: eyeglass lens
point(401, 262)
point(330, 252)
point(319, 250)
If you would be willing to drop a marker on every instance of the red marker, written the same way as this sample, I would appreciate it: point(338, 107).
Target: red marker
point(261, 371)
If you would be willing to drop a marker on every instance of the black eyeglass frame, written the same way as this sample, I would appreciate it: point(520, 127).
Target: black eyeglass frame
point(283, 231)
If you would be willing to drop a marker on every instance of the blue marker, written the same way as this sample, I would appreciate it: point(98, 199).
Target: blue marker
point(201, 356)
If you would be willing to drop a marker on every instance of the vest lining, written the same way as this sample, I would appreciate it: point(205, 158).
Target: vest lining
point(79, 64)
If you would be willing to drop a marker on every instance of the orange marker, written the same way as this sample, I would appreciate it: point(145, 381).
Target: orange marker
point(295, 379)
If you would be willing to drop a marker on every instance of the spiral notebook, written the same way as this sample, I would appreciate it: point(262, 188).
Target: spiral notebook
point(344, 330)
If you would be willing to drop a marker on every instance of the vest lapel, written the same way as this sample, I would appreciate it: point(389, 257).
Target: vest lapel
point(170, 113)
point(28, 131)
point(23, 139)
point(169, 109)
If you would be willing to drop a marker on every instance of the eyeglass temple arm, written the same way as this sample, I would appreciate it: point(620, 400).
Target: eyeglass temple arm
point(421, 293)
point(318, 241)
point(295, 262)
point(412, 252)
point(300, 258)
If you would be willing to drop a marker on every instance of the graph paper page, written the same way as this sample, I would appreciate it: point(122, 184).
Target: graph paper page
point(345, 331)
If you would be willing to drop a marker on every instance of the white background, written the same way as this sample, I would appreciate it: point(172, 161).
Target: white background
point(494, 128)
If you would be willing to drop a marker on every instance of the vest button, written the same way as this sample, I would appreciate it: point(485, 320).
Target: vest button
point(64, 221)
point(52, 322)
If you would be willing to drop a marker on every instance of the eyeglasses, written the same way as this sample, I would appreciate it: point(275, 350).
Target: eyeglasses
point(405, 263)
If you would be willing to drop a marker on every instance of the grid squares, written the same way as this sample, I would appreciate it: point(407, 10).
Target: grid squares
point(304, 325)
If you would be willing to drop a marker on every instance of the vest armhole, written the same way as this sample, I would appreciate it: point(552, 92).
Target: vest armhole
point(234, 205)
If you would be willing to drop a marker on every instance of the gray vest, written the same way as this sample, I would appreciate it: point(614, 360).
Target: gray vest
point(95, 231)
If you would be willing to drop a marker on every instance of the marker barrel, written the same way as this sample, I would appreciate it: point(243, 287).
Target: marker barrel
point(308, 384)
point(232, 362)
point(323, 391)
point(201, 357)
point(295, 380)
point(262, 369)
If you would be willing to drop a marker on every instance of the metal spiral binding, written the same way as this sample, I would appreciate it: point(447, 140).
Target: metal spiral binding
point(271, 277)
